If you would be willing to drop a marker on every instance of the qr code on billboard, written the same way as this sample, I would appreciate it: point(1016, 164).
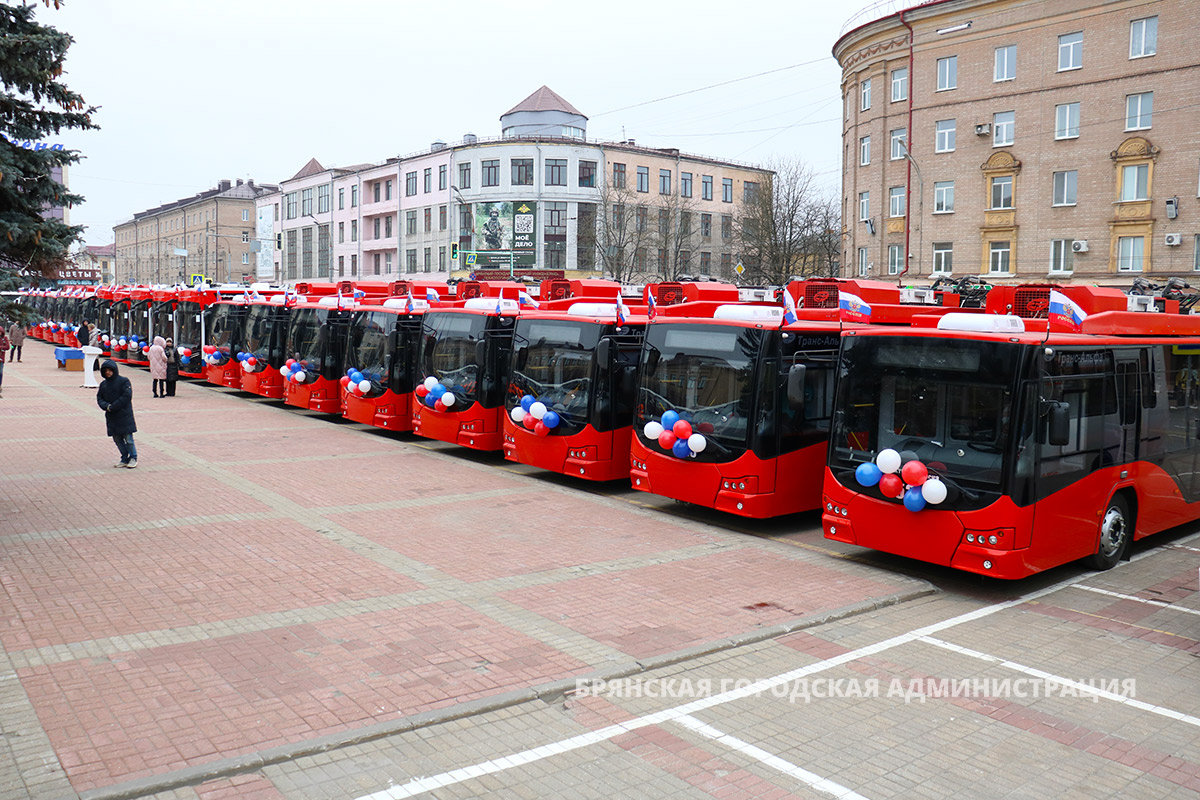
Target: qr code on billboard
point(523, 223)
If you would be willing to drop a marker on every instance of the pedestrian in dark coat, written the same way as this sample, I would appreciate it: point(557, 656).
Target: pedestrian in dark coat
point(172, 355)
point(115, 396)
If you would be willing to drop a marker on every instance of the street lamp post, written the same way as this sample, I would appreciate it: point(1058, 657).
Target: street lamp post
point(908, 214)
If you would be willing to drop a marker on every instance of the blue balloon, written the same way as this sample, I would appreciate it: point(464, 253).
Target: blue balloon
point(356, 376)
point(350, 371)
point(527, 401)
point(437, 391)
point(868, 474)
point(669, 419)
point(184, 360)
point(551, 419)
point(680, 448)
point(913, 499)
point(430, 400)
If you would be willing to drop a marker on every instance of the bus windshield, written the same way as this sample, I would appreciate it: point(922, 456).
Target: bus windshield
point(449, 352)
point(118, 316)
point(260, 323)
point(553, 362)
point(306, 338)
point(139, 318)
point(163, 324)
point(706, 374)
point(947, 402)
point(369, 340)
point(187, 318)
point(226, 323)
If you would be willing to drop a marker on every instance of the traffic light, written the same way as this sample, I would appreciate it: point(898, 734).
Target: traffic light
point(279, 241)
point(454, 251)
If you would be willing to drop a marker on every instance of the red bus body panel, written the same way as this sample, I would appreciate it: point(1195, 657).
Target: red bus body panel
point(477, 428)
point(390, 411)
point(321, 395)
point(589, 454)
point(264, 383)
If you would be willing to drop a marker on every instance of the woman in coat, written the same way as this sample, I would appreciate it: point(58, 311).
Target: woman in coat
point(115, 396)
point(158, 367)
point(172, 366)
point(16, 336)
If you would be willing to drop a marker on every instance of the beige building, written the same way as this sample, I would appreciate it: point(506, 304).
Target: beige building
point(210, 234)
point(1023, 140)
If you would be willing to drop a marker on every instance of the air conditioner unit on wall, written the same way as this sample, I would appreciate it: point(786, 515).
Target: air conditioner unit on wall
point(983, 129)
point(1079, 246)
point(1174, 239)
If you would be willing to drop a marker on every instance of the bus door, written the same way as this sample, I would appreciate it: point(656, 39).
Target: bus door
point(1127, 427)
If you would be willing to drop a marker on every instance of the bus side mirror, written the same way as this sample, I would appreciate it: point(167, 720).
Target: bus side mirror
point(795, 385)
point(522, 358)
point(481, 352)
point(604, 353)
point(1058, 432)
point(652, 360)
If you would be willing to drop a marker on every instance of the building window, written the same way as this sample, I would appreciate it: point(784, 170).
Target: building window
point(377, 220)
point(1002, 192)
point(749, 191)
point(639, 219)
point(643, 179)
point(556, 172)
point(706, 187)
point(664, 220)
point(895, 259)
point(428, 259)
point(341, 233)
point(864, 206)
point(246, 214)
point(441, 259)
point(428, 219)
point(245, 237)
point(341, 266)
point(341, 199)
point(864, 150)
point(378, 260)
point(1066, 121)
point(1143, 37)
point(1061, 255)
point(705, 262)
point(410, 222)
point(306, 198)
point(276, 217)
point(1135, 182)
point(428, 176)
point(410, 186)
point(1129, 253)
point(864, 266)
point(946, 130)
point(522, 172)
point(943, 197)
point(491, 172)
point(726, 226)
point(353, 201)
point(899, 84)
point(896, 201)
point(387, 190)
point(387, 263)
point(587, 174)
point(1004, 128)
point(706, 226)
point(375, 187)
point(999, 260)
point(353, 265)
point(1006, 64)
point(442, 177)
point(1065, 186)
point(899, 140)
point(290, 203)
point(866, 94)
point(1138, 109)
point(726, 190)
point(685, 184)
point(618, 178)
point(442, 217)
point(943, 258)
point(1196, 254)
point(410, 259)
point(464, 176)
point(245, 258)
point(1070, 51)
point(466, 221)
point(354, 230)
point(947, 73)
point(664, 181)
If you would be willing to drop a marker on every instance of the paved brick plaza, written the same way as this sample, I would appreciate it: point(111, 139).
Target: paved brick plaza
point(267, 577)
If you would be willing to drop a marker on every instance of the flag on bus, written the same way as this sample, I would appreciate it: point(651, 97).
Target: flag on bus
point(651, 306)
point(431, 296)
point(621, 315)
point(525, 301)
point(408, 304)
point(789, 308)
point(852, 308)
point(1065, 313)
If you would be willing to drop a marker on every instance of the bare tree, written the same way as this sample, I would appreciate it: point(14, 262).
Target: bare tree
point(790, 226)
point(675, 237)
point(623, 233)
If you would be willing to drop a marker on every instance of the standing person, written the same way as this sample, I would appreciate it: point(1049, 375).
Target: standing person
point(16, 335)
point(115, 396)
point(94, 339)
point(158, 367)
point(84, 334)
point(4, 345)
point(172, 366)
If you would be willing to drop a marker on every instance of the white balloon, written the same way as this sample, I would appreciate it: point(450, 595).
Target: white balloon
point(448, 399)
point(538, 410)
point(300, 376)
point(246, 366)
point(653, 430)
point(364, 385)
point(934, 491)
point(888, 461)
point(431, 382)
point(517, 414)
point(696, 443)
point(284, 371)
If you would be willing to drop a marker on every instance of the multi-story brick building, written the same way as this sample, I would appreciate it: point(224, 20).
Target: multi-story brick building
point(211, 233)
point(1022, 140)
point(540, 195)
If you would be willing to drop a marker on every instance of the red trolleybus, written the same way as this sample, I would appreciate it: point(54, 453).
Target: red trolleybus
point(753, 394)
point(138, 339)
point(193, 321)
point(1014, 448)
point(118, 314)
point(464, 355)
point(575, 358)
point(226, 332)
point(266, 338)
point(383, 347)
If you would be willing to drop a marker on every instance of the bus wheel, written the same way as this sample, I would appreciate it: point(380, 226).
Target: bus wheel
point(1116, 529)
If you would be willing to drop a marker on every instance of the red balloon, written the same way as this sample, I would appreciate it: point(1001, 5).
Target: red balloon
point(187, 351)
point(682, 429)
point(439, 405)
point(914, 473)
point(345, 381)
point(252, 361)
point(420, 391)
point(891, 485)
point(666, 439)
point(289, 363)
point(530, 422)
point(540, 429)
point(705, 427)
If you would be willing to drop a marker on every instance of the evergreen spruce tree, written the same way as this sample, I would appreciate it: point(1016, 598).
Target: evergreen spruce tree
point(34, 104)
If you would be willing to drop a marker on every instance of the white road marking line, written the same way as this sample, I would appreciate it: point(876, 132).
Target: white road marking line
point(1182, 547)
point(775, 762)
point(1083, 688)
point(1148, 600)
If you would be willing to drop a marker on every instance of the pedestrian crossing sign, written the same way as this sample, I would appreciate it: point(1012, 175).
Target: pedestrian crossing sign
point(471, 259)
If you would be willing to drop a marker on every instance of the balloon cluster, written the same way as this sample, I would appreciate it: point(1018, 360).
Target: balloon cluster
point(534, 415)
point(908, 480)
point(185, 355)
point(359, 383)
point(436, 394)
point(294, 371)
point(213, 354)
point(249, 361)
point(676, 435)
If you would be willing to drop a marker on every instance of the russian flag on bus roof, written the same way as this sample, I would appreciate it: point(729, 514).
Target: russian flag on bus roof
point(408, 304)
point(431, 296)
point(789, 308)
point(852, 308)
point(1065, 313)
point(525, 301)
point(651, 306)
point(621, 310)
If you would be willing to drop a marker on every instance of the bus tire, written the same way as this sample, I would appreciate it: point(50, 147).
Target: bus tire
point(1116, 529)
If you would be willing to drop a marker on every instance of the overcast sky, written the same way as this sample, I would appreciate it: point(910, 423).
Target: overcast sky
point(193, 92)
